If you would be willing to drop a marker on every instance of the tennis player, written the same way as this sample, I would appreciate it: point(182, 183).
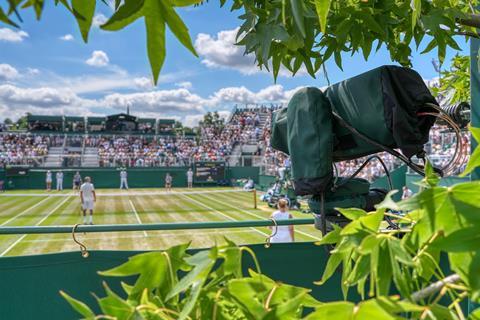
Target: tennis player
point(77, 181)
point(123, 179)
point(283, 233)
point(59, 177)
point(88, 198)
point(168, 182)
point(190, 178)
point(48, 180)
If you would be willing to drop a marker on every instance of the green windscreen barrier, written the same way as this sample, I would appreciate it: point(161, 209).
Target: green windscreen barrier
point(110, 177)
point(29, 285)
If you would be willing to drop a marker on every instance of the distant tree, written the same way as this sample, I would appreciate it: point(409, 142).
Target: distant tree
point(8, 121)
point(208, 119)
point(22, 122)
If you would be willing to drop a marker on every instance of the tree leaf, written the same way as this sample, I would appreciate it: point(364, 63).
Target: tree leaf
point(474, 161)
point(4, 18)
point(416, 6)
point(79, 306)
point(126, 14)
point(84, 11)
point(297, 10)
point(462, 240)
point(155, 25)
point(333, 311)
point(177, 26)
point(323, 8)
point(115, 306)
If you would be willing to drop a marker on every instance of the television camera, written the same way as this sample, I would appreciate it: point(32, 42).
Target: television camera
point(388, 109)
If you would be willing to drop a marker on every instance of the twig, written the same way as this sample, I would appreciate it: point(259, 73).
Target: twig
point(434, 287)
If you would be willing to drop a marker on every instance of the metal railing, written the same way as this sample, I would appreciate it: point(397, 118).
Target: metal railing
point(152, 226)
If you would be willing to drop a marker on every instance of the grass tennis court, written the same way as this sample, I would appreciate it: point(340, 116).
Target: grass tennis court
point(39, 208)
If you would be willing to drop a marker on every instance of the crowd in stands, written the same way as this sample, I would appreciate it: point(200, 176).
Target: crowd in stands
point(216, 142)
point(134, 151)
point(25, 149)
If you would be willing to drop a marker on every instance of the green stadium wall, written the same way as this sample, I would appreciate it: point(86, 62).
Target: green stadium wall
point(110, 177)
point(30, 284)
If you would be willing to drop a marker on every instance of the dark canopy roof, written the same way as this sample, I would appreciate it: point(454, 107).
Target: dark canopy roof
point(32, 118)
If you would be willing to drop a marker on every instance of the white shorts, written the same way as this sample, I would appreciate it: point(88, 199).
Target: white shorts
point(87, 205)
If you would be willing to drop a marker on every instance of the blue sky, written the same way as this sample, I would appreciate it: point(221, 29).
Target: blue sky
point(47, 69)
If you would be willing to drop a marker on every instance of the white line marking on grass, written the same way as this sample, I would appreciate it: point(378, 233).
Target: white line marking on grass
point(122, 194)
point(36, 225)
point(258, 216)
point(195, 233)
point(215, 210)
point(24, 211)
point(137, 216)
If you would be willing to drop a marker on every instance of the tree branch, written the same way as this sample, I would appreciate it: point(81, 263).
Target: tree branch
point(434, 287)
point(472, 21)
point(468, 34)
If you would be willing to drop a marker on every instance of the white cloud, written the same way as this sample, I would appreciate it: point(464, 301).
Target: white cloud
point(99, 19)
point(10, 35)
point(7, 72)
point(33, 71)
point(184, 84)
point(166, 102)
point(221, 52)
point(98, 59)
point(274, 94)
point(143, 83)
point(16, 101)
point(67, 37)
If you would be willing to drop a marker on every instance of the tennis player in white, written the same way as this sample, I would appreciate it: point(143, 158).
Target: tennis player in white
point(59, 177)
point(88, 197)
point(123, 179)
point(284, 233)
point(190, 178)
point(48, 180)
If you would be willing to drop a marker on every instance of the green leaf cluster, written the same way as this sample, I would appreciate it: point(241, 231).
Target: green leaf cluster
point(454, 85)
point(306, 34)
point(212, 286)
point(295, 34)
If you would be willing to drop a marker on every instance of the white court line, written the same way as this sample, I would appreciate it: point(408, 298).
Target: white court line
point(258, 216)
point(194, 233)
point(137, 216)
point(36, 225)
point(24, 211)
point(221, 213)
point(121, 194)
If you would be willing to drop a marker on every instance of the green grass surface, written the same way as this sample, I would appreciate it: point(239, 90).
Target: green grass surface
point(40, 208)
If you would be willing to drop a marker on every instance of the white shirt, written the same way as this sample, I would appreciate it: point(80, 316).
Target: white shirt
point(59, 175)
point(87, 191)
point(407, 193)
point(283, 232)
point(49, 176)
point(190, 175)
point(123, 174)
